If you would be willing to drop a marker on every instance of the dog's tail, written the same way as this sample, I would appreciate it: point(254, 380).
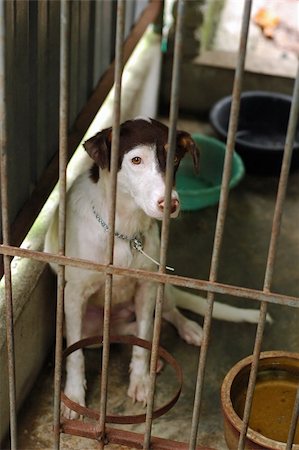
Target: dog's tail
point(197, 304)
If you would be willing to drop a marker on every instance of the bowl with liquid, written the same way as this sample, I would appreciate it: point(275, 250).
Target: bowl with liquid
point(273, 402)
point(261, 131)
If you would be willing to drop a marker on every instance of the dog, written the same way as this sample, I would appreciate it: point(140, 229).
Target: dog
point(139, 204)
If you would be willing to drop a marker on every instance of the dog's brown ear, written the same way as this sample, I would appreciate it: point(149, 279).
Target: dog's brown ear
point(185, 141)
point(99, 148)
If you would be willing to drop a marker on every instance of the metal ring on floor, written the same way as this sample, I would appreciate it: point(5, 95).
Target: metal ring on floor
point(115, 418)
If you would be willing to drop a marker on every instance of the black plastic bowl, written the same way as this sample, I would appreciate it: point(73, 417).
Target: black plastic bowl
point(261, 129)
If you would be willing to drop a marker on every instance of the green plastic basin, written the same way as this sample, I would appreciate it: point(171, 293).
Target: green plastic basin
point(201, 190)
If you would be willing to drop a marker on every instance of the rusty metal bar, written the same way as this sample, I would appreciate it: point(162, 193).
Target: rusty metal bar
point(281, 194)
point(166, 218)
point(173, 117)
point(176, 280)
point(63, 156)
point(112, 206)
point(219, 232)
point(294, 421)
point(6, 238)
point(129, 439)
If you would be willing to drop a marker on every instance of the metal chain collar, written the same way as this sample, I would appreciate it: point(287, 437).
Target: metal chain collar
point(136, 242)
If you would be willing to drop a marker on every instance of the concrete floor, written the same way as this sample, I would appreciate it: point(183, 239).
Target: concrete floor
point(243, 260)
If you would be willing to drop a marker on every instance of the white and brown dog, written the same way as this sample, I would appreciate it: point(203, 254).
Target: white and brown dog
point(140, 200)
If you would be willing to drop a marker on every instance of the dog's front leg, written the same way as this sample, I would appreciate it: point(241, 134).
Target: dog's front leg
point(144, 309)
point(74, 305)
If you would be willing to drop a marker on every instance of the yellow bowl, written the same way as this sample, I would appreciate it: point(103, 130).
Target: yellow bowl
point(274, 396)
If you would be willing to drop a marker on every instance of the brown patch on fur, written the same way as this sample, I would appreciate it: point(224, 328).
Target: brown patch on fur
point(98, 148)
point(185, 141)
point(140, 132)
point(94, 173)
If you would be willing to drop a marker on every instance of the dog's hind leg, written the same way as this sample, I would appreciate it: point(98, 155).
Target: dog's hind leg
point(189, 330)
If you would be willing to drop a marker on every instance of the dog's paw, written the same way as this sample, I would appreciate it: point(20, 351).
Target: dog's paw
point(76, 395)
point(191, 332)
point(138, 387)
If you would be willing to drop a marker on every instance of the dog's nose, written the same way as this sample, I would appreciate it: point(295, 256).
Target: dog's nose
point(174, 204)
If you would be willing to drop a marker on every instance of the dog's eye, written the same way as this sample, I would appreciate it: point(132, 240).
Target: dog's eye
point(136, 160)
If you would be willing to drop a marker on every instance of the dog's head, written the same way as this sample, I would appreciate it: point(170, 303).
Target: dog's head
point(142, 161)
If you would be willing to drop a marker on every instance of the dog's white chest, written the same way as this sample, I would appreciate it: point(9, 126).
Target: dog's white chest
point(123, 290)
point(124, 255)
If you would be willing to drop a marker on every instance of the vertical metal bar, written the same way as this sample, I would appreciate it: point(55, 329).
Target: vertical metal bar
point(63, 151)
point(282, 187)
point(281, 193)
point(112, 206)
point(166, 216)
point(5, 232)
point(294, 421)
point(221, 216)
